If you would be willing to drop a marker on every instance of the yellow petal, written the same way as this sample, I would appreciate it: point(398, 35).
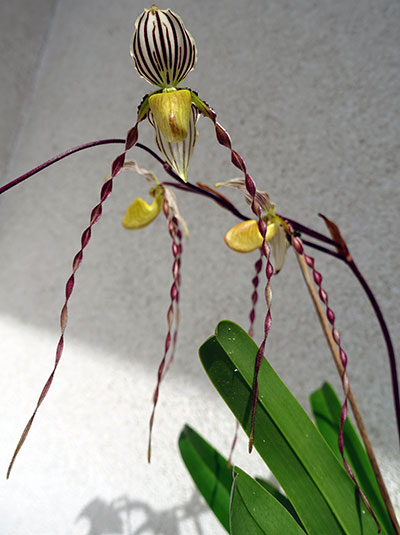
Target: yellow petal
point(140, 213)
point(171, 112)
point(245, 237)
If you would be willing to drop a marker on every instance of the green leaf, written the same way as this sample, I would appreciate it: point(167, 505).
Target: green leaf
point(210, 472)
point(282, 499)
point(254, 511)
point(326, 409)
point(320, 490)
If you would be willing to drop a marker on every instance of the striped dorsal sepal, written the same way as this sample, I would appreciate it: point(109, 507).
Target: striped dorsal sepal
point(162, 49)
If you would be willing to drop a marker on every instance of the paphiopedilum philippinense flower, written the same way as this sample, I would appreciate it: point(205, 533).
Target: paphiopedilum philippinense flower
point(140, 213)
point(164, 53)
point(245, 237)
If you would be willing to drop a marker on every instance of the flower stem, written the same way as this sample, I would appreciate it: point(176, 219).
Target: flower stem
point(225, 203)
point(385, 331)
point(55, 159)
point(359, 421)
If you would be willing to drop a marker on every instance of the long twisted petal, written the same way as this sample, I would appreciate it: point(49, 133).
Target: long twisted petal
point(172, 314)
point(95, 215)
point(330, 315)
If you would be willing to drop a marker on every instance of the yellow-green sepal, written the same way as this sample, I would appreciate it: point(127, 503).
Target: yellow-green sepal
point(140, 213)
point(144, 107)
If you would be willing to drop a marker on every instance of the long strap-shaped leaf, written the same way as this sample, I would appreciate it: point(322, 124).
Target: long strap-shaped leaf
point(322, 493)
point(214, 479)
point(326, 408)
point(210, 472)
point(254, 511)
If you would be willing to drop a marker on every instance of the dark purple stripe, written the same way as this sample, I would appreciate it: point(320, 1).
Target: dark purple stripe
point(170, 67)
point(163, 47)
point(176, 45)
point(143, 67)
point(183, 54)
point(148, 50)
point(156, 50)
point(193, 57)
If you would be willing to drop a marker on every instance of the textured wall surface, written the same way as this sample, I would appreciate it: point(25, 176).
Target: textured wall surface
point(310, 93)
point(23, 28)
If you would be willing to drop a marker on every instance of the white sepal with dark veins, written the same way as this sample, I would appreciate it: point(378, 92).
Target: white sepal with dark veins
point(162, 49)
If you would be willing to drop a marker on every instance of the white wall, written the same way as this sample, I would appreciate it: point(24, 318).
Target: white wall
point(310, 94)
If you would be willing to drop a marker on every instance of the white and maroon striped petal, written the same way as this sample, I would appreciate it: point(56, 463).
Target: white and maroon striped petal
point(162, 49)
point(177, 154)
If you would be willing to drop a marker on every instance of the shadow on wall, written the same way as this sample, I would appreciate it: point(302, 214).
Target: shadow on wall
point(115, 517)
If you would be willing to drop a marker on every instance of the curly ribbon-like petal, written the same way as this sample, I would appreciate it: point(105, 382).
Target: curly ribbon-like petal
point(330, 315)
point(224, 139)
point(173, 311)
point(116, 168)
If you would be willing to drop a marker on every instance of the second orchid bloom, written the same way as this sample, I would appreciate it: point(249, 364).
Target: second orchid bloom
point(245, 237)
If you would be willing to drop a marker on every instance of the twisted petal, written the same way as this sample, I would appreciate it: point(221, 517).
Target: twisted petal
point(261, 197)
point(162, 49)
point(245, 237)
point(174, 209)
point(140, 213)
point(131, 165)
point(177, 154)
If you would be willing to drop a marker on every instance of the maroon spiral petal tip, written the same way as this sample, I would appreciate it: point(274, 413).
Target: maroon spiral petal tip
point(132, 137)
point(69, 287)
point(222, 136)
point(330, 314)
point(254, 295)
point(225, 140)
point(238, 161)
point(250, 186)
point(173, 314)
point(117, 165)
point(344, 360)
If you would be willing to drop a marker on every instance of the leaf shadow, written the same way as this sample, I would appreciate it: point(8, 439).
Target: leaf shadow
point(115, 517)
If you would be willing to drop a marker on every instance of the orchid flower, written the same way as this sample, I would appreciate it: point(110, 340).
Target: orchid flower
point(164, 53)
point(140, 214)
point(245, 237)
